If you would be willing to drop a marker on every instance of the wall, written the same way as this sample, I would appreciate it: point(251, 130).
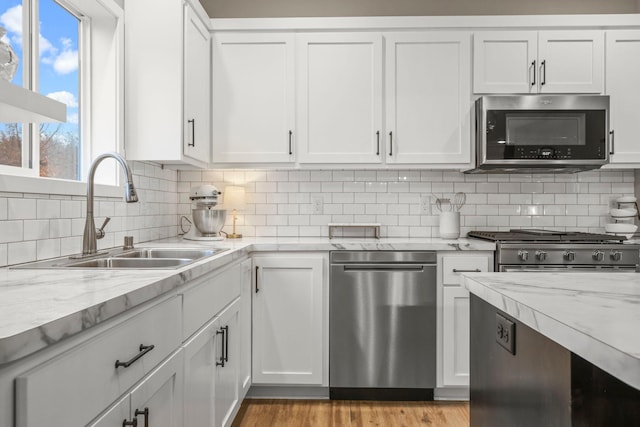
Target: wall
point(39, 226)
point(279, 202)
point(306, 8)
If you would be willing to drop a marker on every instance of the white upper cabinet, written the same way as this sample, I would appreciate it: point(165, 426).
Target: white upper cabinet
point(339, 97)
point(428, 97)
point(167, 72)
point(197, 45)
point(538, 62)
point(623, 87)
point(253, 98)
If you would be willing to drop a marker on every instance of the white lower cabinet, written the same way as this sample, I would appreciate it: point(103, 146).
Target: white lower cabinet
point(455, 336)
point(72, 388)
point(245, 327)
point(156, 401)
point(215, 354)
point(453, 319)
point(290, 322)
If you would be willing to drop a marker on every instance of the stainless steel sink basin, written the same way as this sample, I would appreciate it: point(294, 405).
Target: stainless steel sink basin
point(188, 253)
point(140, 258)
point(131, 263)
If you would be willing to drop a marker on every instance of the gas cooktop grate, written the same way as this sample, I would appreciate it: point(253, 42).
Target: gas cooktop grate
point(534, 235)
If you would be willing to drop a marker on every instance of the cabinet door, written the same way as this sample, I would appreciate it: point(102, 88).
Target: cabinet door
point(623, 87)
point(339, 104)
point(428, 90)
point(197, 54)
point(288, 321)
point(245, 328)
point(113, 416)
point(571, 61)
point(505, 62)
point(253, 98)
point(200, 357)
point(226, 380)
point(455, 336)
point(157, 400)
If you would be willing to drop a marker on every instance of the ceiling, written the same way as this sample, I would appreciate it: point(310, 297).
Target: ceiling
point(316, 8)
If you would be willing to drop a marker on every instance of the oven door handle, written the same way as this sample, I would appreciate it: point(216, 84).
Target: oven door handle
point(616, 269)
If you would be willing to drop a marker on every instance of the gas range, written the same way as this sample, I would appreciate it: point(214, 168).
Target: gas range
point(538, 250)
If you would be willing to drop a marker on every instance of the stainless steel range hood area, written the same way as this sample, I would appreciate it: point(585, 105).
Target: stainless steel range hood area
point(542, 133)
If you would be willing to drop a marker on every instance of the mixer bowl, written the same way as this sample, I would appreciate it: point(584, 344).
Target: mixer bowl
point(209, 222)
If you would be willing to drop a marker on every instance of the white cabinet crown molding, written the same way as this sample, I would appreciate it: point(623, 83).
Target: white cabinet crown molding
point(600, 21)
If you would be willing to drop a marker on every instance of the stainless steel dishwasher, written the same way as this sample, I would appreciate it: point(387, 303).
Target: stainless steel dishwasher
point(382, 325)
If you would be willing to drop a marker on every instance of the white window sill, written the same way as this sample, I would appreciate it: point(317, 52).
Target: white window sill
point(36, 185)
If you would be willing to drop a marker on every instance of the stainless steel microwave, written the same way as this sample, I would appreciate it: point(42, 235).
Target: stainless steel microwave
point(541, 133)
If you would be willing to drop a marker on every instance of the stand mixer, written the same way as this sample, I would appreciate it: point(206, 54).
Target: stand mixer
point(206, 221)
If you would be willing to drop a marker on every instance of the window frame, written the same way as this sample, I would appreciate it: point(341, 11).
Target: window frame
point(101, 28)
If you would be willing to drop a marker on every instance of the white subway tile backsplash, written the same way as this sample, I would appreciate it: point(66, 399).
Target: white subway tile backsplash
point(393, 198)
point(19, 208)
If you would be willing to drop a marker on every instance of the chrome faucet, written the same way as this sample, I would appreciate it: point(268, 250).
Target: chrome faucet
point(91, 234)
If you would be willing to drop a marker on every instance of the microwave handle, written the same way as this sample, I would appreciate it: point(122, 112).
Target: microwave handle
point(612, 133)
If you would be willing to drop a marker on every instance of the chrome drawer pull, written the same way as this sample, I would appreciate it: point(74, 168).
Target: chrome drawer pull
point(477, 270)
point(144, 349)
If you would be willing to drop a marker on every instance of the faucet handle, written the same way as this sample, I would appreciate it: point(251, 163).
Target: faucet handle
point(100, 231)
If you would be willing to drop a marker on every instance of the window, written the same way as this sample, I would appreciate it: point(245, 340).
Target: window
point(77, 60)
point(54, 147)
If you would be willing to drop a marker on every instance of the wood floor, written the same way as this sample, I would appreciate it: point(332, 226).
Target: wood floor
point(350, 413)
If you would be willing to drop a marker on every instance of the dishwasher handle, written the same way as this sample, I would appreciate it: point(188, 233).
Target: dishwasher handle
point(413, 268)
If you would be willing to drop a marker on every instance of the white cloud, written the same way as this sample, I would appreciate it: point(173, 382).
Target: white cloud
point(66, 62)
point(46, 48)
point(65, 97)
point(11, 20)
point(72, 118)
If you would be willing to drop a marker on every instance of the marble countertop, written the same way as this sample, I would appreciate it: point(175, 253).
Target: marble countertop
point(594, 315)
point(41, 307)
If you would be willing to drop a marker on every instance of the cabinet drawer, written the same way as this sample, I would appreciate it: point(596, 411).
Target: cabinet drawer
point(209, 297)
point(74, 387)
point(453, 266)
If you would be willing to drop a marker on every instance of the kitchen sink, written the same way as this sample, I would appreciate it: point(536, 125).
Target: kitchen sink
point(131, 263)
point(184, 253)
point(141, 258)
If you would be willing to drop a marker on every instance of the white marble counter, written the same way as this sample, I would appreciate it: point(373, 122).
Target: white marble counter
point(594, 315)
point(42, 307)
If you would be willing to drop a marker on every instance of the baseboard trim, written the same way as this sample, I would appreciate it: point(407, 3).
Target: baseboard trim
point(287, 392)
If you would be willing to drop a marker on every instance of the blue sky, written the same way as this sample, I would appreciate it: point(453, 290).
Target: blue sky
point(58, 67)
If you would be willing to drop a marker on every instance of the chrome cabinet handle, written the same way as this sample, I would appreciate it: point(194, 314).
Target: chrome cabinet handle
point(221, 331)
point(145, 412)
point(144, 349)
point(391, 143)
point(543, 73)
point(378, 143)
point(290, 146)
point(613, 138)
point(533, 65)
point(193, 133)
point(476, 270)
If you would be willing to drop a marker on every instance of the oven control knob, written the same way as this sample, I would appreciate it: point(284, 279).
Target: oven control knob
point(523, 255)
point(597, 255)
point(569, 255)
point(616, 255)
point(541, 255)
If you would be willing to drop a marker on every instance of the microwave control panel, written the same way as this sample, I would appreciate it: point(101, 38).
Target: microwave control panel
point(543, 153)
